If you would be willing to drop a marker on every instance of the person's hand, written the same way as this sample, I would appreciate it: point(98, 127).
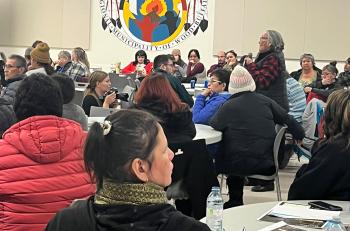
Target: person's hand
point(143, 72)
point(307, 89)
point(248, 60)
point(110, 99)
point(206, 92)
point(326, 81)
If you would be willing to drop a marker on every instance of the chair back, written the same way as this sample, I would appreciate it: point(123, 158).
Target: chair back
point(101, 112)
point(280, 130)
point(118, 81)
point(78, 97)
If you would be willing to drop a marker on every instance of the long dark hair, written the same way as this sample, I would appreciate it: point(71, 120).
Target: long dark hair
point(337, 116)
point(141, 53)
point(133, 134)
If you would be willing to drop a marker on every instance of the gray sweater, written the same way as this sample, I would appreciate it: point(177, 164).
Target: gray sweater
point(74, 112)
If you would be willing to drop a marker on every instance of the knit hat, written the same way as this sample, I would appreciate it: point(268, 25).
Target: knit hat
point(41, 53)
point(241, 81)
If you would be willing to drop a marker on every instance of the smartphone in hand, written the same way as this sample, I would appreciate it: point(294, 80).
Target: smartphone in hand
point(324, 206)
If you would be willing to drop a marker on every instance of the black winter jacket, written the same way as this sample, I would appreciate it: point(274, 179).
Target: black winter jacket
point(178, 126)
point(247, 121)
point(327, 176)
point(7, 116)
point(87, 216)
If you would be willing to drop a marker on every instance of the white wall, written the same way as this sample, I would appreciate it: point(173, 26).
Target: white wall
point(106, 49)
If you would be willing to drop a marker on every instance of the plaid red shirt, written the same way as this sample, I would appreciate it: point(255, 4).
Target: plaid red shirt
point(267, 73)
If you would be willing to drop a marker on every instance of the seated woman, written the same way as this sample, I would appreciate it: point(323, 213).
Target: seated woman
point(156, 96)
point(309, 73)
point(141, 66)
point(231, 60)
point(41, 158)
point(129, 157)
point(321, 90)
point(40, 61)
point(96, 92)
point(211, 99)
point(248, 121)
point(195, 69)
point(327, 175)
point(79, 56)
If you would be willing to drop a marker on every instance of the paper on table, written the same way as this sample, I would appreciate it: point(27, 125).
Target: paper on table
point(280, 226)
point(290, 210)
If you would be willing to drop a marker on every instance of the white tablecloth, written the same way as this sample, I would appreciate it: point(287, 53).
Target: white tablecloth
point(206, 132)
point(246, 216)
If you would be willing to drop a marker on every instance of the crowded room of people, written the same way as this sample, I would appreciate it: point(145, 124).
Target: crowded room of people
point(154, 115)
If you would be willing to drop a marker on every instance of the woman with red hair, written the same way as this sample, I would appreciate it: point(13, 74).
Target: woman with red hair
point(156, 96)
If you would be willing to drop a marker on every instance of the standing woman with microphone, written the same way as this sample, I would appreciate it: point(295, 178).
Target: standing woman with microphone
point(269, 73)
point(269, 68)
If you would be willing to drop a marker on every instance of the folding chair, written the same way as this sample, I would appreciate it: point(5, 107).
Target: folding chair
point(280, 130)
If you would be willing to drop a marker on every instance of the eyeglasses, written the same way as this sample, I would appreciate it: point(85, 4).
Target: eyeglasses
point(10, 66)
point(326, 73)
point(214, 81)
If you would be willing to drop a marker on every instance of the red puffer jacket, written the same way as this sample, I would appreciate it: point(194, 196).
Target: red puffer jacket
point(41, 171)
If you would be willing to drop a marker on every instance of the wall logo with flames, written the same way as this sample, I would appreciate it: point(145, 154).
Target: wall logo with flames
point(154, 24)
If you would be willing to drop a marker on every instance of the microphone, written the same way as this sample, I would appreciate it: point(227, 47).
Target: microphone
point(250, 55)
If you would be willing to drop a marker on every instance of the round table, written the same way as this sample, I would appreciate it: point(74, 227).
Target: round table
point(246, 216)
point(206, 132)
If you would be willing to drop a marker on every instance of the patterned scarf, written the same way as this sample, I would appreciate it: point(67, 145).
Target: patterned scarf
point(137, 194)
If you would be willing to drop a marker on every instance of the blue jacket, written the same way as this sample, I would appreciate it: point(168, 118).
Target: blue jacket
point(204, 109)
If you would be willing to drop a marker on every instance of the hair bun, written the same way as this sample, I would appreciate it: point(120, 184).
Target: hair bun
point(333, 63)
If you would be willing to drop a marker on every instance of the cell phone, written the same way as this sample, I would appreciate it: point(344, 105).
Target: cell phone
point(324, 206)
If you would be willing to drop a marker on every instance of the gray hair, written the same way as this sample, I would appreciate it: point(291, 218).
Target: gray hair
point(64, 54)
point(276, 40)
point(20, 61)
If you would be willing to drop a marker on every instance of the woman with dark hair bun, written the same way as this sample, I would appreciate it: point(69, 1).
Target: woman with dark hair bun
point(321, 90)
point(128, 155)
point(156, 96)
point(211, 99)
point(327, 176)
point(141, 65)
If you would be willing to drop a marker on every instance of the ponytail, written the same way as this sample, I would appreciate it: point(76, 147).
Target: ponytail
point(95, 153)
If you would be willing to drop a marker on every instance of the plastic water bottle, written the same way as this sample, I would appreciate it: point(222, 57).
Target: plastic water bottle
point(334, 225)
point(215, 207)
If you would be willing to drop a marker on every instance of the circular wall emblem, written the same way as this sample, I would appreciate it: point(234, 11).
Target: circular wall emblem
point(154, 24)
